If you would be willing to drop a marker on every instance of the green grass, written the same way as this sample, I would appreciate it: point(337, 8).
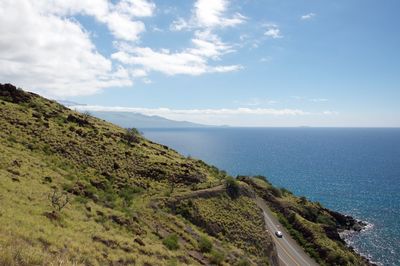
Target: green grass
point(116, 182)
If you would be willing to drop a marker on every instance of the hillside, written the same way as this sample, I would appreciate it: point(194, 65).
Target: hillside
point(76, 190)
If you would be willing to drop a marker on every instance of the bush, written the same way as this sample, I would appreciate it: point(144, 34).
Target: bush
point(217, 257)
point(285, 191)
point(276, 192)
point(263, 178)
point(128, 193)
point(205, 245)
point(243, 262)
point(232, 187)
point(171, 242)
point(132, 135)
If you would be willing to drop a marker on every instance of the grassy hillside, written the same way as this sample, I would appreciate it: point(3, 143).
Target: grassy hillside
point(76, 190)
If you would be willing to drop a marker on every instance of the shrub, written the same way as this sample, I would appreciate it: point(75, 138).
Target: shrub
point(171, 242)
point(128, 193)
point(217, 257)
point(205, 245)
point(232, 187)
point(132, 135)
point(58, 200)
point(47, 179)
point(303, 200)
point(243, 262)
point(276, 192)
point(285, 191)
point(263, 178)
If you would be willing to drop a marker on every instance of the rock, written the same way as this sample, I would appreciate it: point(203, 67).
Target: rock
point(77, 120)
point(139, 241)
point(10, 93)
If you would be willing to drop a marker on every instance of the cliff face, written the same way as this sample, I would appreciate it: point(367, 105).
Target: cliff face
point(76, 189)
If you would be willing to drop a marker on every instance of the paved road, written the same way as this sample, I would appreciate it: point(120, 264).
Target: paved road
point(289, 252)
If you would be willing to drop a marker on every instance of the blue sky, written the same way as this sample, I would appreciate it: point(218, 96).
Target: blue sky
point(241, 63)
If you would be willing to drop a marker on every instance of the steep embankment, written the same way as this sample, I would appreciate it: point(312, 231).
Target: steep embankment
point(78, 190)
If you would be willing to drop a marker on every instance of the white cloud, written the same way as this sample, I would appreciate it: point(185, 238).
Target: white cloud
point(50, 54)
point(179, 24)
point(307, 16)
point(136, 8)
point(226, 116)
point(208, 14)
point(191, 61)
point(318, 100)
point(120, 18)
point(314, 100)
point(273, 31)
point(167, 112)
point(122, 27)
point(212, 14)
point(266, 59)
point(330, 112)
point(44, 48)
point(256, 102)
point(140, 73)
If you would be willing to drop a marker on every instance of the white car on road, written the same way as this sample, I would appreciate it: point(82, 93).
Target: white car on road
point(279, 234)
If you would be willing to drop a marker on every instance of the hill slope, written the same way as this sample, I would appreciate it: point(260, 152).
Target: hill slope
point(76, 190)
point(116, 186)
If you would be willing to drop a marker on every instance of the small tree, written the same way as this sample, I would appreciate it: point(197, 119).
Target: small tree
point(171, 242)
point(58, 199)
point(205, 245)
point(232, 187)
point(86, 115)
point(303, 200)
point(132, 135)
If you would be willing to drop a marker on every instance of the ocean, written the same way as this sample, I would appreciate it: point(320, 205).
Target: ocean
point(355, 171)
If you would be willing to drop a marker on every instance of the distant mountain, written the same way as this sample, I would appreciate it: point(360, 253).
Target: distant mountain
point(68, 103)
point(136, 120)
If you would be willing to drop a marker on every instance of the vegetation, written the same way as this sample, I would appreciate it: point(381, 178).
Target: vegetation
point(76, 190)
point(171, 242)
point(205, 245)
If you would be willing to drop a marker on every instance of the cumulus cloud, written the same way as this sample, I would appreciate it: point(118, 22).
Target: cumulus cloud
point(273, 31)
point(206, 48)
point(209, 14)
point(212, 14)
point(44, 48)
point(307, 16)
point(120, 18)
point(50, 54)
point(191, 61)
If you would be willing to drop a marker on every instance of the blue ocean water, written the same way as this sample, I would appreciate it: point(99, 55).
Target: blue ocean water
point(354, 171)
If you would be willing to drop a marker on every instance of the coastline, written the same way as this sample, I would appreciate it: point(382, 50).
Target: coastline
point(347, 234)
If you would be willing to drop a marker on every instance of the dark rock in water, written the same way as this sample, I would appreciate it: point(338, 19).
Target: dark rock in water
point(346, 222)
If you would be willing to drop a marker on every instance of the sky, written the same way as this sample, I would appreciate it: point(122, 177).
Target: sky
point(218, 62)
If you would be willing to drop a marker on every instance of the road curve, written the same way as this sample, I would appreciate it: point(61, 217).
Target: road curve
point(289, 252)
